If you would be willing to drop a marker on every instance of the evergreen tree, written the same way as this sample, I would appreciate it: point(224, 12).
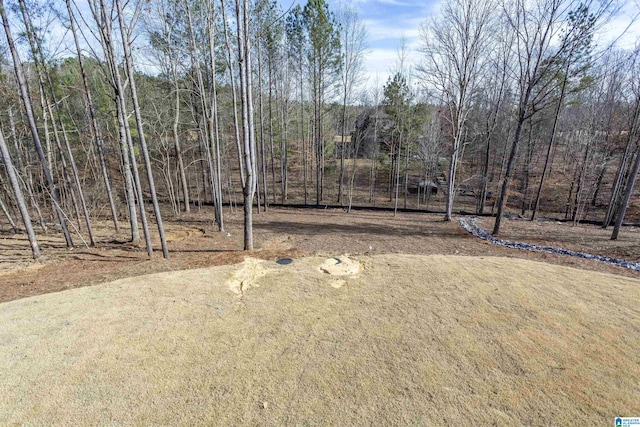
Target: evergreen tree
point(323, 61)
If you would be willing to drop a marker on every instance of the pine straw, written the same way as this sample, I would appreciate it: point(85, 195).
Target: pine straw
point(411, 340)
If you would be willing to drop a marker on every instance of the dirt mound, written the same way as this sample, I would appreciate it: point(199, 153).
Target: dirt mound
point(432, 340)
point(343, 266)
point(247, 275)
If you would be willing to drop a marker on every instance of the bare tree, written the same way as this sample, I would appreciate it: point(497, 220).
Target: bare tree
point(165, 37)
point(631, 137)
point(429, 144)
point(26, 100)
point(95, 129)
point(17, 191)
point(573, 66)
point(249, 163)
point(206, 109)
point(234, 96)
point(490, 103)
point(297, 43)
point(353, 39)
point(126, 44)
point(324, 60)
point(536, 26)
point(634, 135)
point(455, 49)
point(45, 80)
point(133, 190)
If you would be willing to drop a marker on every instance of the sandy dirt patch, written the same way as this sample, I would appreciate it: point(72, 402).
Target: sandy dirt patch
point(410, 340)
point(341, 266)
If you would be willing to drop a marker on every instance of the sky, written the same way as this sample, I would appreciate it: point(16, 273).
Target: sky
point(389, 22)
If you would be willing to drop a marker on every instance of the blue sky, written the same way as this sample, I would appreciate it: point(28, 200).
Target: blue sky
point(387, 23)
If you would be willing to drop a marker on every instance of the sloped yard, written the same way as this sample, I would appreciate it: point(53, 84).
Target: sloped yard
point(406, 340)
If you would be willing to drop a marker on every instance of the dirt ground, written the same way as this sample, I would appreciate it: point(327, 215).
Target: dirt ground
point(586, 238)
point(193, 243)
point(399, 340)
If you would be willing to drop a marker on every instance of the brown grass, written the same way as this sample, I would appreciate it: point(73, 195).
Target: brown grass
point(411, 340)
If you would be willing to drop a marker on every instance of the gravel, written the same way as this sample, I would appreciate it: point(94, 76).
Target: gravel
point(471, 226)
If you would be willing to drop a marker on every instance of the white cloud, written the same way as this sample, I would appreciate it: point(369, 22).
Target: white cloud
point(382, 30)
point(380, 64)
point(624, 30)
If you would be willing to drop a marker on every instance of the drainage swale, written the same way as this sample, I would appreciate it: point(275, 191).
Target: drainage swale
point(284, 261)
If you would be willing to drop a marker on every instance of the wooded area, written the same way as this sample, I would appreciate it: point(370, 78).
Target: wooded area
point(111, 106)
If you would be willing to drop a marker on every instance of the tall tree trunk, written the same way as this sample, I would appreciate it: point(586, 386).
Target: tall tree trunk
point(356, 144)
point(123, 124)
point(214, 136)
point(342, 148)
point(451, 181)
point(485, 173)
point(303, 136)
point(622, 167)
point(552, 138)
point(7, 215)
point(24, 93)
point(129, 168)
point(271, 138)
point(95, 130)
point(124, 129)
point(504, 193)
point(407, 153)
point(321, 141)
point(202, 118)
point(17, 191)
point(27, 174)
point(178, 147)
point(283, 146)
point(234, 96)
point(218, 162)
point(78, 183)
point(581, 184)
point(244, 58)
point(599, 179)
point(372, 196)
point(45, 78)
point(46, 107)
point(263, 159)
point(126, 44)
point(528, 158)
point(318, 157)
point(627, 196)
point(130, 187)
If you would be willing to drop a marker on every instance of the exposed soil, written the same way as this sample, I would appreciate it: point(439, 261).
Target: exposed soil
point(285, 232)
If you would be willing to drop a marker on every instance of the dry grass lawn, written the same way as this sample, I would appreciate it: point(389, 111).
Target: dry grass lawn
point(408, 340)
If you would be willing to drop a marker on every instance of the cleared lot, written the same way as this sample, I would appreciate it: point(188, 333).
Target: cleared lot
point(408, 339)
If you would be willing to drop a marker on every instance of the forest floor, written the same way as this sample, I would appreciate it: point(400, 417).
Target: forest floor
point(285, 232)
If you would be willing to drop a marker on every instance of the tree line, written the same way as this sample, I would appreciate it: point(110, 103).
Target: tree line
point(180, 103)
